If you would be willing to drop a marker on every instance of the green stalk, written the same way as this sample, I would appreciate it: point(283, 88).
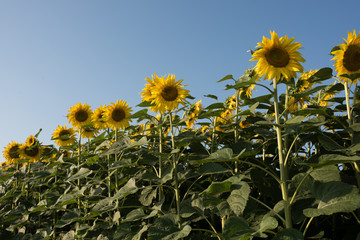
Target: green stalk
point(283, 170)
point(347, 98)
point(174, 163)
point(236, 127)
point(161, 193)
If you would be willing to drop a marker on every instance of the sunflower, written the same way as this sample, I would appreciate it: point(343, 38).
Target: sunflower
point(193, 114)
point(98, 119)
point(80, 115)
point(89, 132)
point(117, 115)
point(64, 136)
point(278, 57)
point(11, 152)
point(168, 93)
point(347, 57)
point(31, 152)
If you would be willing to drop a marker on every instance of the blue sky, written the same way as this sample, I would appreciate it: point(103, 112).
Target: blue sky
point(54, 54)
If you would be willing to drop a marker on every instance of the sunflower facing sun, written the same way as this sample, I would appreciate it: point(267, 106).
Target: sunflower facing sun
point(278, 57)
point(168, 93)
point(347, 57)
point(98, 119)
point(116, 115)
point(80, 115)
point(64, 136)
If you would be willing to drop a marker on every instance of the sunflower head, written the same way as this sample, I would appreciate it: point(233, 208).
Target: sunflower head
point(168, 93)
point(80, 115)
point(347, 57)
point(89, 132)
point(98, 118)
point(278, 57)
point(117, 115)
point(64, 136)
point(12, 152)
point(30, 152)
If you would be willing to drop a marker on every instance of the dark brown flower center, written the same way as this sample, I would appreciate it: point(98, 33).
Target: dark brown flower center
point(169, 93)
point(65, 135)
point(14, 152)
point(81, 116)
point(118, 114)
point(32, 151)
point(351, 59)
point(277, 57)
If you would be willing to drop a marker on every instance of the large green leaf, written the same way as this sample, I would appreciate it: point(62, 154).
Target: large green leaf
point(127, 189)
point(334, 197)
point(216, 188)
point(82, 173)
point(238, 198)
point(237, 228)
point(166, 228)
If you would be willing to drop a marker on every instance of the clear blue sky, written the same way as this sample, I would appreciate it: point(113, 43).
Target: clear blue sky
point(54, 54)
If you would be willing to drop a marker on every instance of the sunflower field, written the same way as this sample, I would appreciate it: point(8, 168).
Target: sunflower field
point(284, 165)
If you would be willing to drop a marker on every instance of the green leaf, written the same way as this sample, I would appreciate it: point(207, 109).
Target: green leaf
point(135, 215)
point(127, 189)
point(216, 188)
point(215, 106)
point(237, 228)
point(212, 168)
point(321, 74)
point(331, 159)
point(140, 113)
point(267, 223)
point(328, 143)
point(167, 174)
point(82, 173)
point(289, 234)
point(147, 195)
point(211, 96)
point(166, 228)
point(295, 120)
point(334, 197)
point(227, 77)
point(352, 76)
point(104, 205)
point(225, 153)
point(67, 219)
point(326, 174)
point(238, 198)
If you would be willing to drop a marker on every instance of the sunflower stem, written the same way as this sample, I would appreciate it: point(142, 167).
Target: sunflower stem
point(160, 162)
point(283, 175)
point(350, 118)
point(236, 123)
point(174, 163)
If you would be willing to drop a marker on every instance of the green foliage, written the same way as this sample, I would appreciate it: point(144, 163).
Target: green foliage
point(217, 180)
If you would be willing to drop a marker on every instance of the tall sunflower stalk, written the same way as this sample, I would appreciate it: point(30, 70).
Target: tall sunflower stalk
point(278, 58)
point(166, 94)
point(347, 62)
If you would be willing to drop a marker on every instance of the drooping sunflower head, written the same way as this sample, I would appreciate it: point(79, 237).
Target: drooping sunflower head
point(12, 152)
point(278, 57)
point(64, 136)
point(117, 115)
point(347, 57)
point(168, 93)
point(98, 118)
point(32, 153)
point(80, 115)
point(89, 132)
